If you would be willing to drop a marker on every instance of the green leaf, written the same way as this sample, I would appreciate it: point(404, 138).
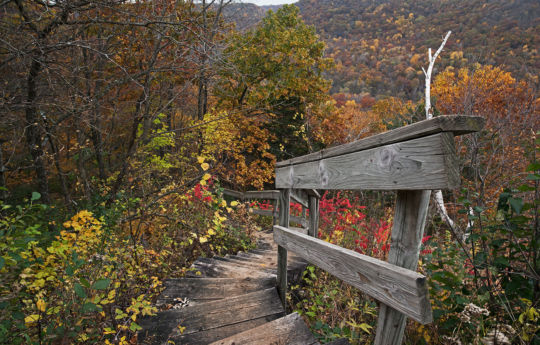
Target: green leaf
point(516, 204)
point(2, 262)
point(525, 188)
point(89, 308)
point(69, 271)
point(533, 177)
point(365, 327)
point(79, 290)
point(101, 284)
point(134, 327)
point(533, 166)
point(85, 283)
point(35, 196)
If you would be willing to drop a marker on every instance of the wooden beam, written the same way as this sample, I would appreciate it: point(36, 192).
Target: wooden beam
point(313, 192)
point(284, 210)
point(297, 195)
point(455, 124)
point(233, 193)
point(403, 289)
point(313, 227)
point(423, 163)
point(407, 233)
point(268, 213)
point(262, 194)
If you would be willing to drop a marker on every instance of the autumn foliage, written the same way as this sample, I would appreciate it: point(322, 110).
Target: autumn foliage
point(121, 122)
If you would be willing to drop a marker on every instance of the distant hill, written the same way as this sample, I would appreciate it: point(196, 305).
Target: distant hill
point(246, 14)
point(379, 46)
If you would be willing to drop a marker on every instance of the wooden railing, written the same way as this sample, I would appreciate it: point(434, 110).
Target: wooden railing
point(309, 200)
point(412, 160)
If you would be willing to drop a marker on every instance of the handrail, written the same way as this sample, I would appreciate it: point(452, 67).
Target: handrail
point(273, 195)
point(412, 160)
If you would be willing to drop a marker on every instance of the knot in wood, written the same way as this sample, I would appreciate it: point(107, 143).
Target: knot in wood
point(386, 157)
point(323, 173)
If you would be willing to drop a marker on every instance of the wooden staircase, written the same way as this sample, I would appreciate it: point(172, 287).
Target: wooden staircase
point(229, 300)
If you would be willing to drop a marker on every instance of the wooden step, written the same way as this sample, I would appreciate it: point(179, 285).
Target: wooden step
point(290, 330)
point(198, 290)
point(219, 269)
point(208, 322)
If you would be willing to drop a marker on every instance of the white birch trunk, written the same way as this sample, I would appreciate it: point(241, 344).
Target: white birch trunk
point(437, 195)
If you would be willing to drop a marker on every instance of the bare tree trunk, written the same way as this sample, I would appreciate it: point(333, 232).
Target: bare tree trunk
point(437, 195)
point(33, 134)
point(3, 188)
point(56, 158)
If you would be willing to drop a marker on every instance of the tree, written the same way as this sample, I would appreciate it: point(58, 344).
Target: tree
point(272, 80)
point(512, 115)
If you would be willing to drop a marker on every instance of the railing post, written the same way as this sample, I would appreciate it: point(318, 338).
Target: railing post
point(284, 209)
point(275, 214)
point(407, 233)
point(313, 216)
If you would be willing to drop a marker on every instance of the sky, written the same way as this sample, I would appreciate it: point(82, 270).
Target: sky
point(269, 2)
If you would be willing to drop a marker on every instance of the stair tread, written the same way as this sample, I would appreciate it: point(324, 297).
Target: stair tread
point(215, 268)
point(262, 305)
point(198, 290)
point(290, 330)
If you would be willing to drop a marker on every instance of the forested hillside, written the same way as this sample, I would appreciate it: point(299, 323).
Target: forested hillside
point(121, 123)
point(379, 46)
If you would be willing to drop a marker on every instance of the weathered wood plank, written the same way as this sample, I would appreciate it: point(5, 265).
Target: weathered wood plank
point(299, 197)
point(218, 269)
point(456, 124)
point(208, 289)
point(262, 194)
point(268, 213)
point(403, 289)
point(290, 330)
point(254, 194)
point(299, 220)
point(407, 233)
point(233, 193)
point(409, 165)
point(313, 192)
point(313, 216)
point(210, 315)
point(284, 216)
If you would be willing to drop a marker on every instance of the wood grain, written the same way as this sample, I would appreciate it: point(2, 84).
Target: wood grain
point(254, 194)
point(403, 289)
point(290, 330)
point(407, 233)
point(284, 216)
point(211, 315)
point(300, 197)
point(262, 194)
point(208, 289)
point(456, 124)
point(313, 227)
point(410, 165)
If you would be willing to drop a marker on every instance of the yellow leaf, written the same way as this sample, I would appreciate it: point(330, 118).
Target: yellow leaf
point(205, 166)
point(206, 176)
point(31, 319)
point(211, 232)
point(41, 305)
point(234, 203)
point(203, 239)
point(200, 160)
